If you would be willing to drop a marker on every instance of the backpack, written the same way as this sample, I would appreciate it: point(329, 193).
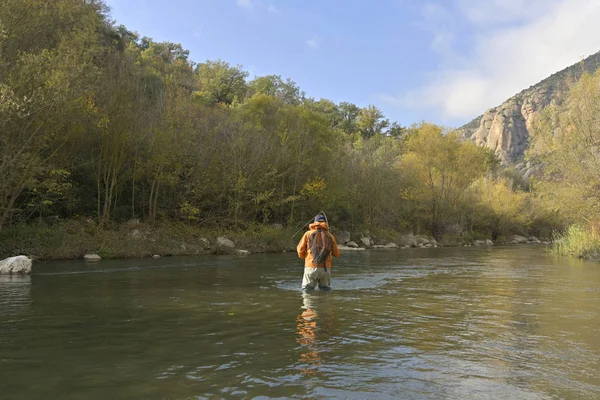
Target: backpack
point(320, 244)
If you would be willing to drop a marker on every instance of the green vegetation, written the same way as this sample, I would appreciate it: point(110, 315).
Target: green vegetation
point(577, 241)
point(99, 124)
point(566, 147)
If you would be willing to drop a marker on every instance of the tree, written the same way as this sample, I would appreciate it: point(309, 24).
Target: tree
point(499, 209)
point(272, 85)
point(349, 113)
point(370, 122)
point(566, 148)
point(438, 170)
point(220, 83)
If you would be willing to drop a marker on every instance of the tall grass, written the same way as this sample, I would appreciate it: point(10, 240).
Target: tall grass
point(577, 241)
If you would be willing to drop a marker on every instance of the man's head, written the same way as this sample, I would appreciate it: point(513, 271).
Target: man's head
point(320, 218)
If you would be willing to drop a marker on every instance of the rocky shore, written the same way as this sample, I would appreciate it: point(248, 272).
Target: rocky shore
point(73, 240)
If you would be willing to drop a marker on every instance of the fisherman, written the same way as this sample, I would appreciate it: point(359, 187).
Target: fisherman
point(316, 247)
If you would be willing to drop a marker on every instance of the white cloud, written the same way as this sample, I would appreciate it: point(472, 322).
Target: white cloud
point(258, 5)
point(510, 51)
point(245, 3)
point(313, 43)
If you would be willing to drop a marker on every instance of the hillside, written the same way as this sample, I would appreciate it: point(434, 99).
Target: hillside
point(505, 128)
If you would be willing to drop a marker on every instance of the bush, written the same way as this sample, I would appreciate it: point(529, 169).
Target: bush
point(578, 241)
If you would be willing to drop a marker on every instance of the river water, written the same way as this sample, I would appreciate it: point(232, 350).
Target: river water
point(445, 323)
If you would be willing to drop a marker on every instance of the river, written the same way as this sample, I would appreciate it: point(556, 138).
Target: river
point(446, 323)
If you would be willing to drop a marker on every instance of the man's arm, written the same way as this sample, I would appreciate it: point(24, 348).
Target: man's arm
point(301, 248)
point(335, 251)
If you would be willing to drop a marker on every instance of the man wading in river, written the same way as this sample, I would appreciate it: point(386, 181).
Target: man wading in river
point(316, 247)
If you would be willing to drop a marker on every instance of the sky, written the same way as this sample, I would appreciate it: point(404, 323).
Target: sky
point(442, 61)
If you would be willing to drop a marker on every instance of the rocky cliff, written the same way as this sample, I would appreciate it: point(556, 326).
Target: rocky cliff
point(505, 129)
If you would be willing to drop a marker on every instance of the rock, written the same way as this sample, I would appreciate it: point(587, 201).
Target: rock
point(488, 242)
point(224, 242)
point(519, 239)
point(505, 129)
point(353, 245)
point(156, 256)
point(135, 233)
point(384, 247)
point(420, 245)
point(391, 245)
point(514, 241)
point(534, 239)
point(480, 243)
point(183, 247)
point(19, 265)
point(428, 245)
point(366, 241)
point(92, 257)
point(204, 243)
point(347, 248)
point(342, 237)
point(242, 252)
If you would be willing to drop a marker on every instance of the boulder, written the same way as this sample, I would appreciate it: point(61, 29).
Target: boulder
point(92, 257)
point(428, 245)
point(156, 256)
point(519, 239)
point(19, 265)
point(347, 248)
point(391, 245)
point(382, 246)
point(342, 237)
point(480, 243)
point(352, 245)
point(204, 242)
point(224, 242)
point(366, 241)
point(514, 241)
point(242, 252)
point(534, 239)
point(488, 242)
point(135, 234)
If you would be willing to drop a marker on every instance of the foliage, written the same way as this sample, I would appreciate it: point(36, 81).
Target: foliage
point(577, 241)
point(439, 169)
point(98, 121)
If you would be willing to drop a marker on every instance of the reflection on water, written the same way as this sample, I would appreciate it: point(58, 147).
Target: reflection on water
point(307, 337)
point(316, 325)
point(442, 323)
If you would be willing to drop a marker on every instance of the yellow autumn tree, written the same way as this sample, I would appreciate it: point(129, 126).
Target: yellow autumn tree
point(439, 169)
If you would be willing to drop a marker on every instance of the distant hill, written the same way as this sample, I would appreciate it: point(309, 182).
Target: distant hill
point(505, 129)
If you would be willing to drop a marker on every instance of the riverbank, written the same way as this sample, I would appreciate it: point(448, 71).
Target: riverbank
point(73, 239)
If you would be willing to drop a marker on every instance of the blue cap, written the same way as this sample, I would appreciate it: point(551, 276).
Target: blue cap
point(320, 218)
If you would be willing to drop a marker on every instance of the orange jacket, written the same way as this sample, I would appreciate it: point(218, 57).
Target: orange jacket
point(304, 251)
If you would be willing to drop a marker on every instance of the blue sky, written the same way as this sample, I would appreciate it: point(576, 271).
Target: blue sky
point(443, 61)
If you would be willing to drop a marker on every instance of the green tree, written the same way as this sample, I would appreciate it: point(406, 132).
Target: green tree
point(439, 169)
point(566, 145)
point(272, 85)
point(220, 83)
point(370, 122)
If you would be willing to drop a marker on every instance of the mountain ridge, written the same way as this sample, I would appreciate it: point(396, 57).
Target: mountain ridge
point(505, 128)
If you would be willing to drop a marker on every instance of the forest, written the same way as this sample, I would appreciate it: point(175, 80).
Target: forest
point(102, 129)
